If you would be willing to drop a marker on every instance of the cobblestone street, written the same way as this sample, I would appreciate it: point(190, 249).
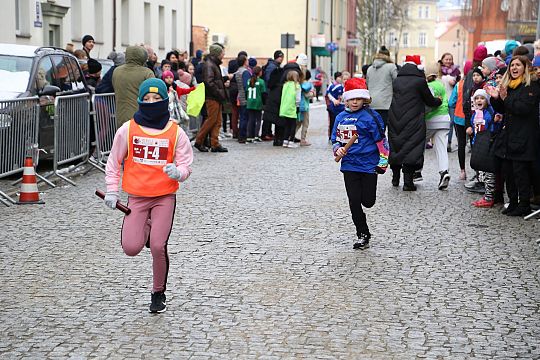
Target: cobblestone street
point(262, 266)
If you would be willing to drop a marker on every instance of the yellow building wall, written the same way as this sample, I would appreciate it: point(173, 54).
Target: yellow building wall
point(418, 23)
point(253, 26)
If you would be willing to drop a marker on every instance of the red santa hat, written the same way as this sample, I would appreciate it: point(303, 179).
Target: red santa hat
point(356, 88)
point(414, 60)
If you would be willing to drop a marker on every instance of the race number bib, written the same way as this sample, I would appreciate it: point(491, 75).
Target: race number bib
point(345, 132)
point(150, 151)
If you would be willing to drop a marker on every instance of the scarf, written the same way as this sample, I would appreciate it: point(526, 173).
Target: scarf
point(452, 70)
point(153, 115)
point(515, 83)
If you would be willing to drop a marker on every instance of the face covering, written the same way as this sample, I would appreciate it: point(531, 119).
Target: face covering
point(153, 115)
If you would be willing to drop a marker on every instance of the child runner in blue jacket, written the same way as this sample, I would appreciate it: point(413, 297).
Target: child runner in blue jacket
point(360, 161)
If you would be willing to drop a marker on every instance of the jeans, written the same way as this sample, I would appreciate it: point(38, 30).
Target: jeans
point(243, 118)
point(254, 123)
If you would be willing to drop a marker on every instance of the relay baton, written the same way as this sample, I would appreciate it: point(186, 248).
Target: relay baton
point(347, 146)
point(123, 208)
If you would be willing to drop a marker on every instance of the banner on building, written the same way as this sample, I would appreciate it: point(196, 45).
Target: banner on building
point(38, 22)
point(318, 40)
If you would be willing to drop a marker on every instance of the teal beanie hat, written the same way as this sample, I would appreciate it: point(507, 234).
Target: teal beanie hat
point(153, 85)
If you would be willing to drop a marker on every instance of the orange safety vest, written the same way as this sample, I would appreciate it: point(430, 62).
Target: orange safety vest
point(459, 103)
point(147, 156)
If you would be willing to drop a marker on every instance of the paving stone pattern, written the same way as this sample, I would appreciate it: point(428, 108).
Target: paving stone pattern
point(262, 266)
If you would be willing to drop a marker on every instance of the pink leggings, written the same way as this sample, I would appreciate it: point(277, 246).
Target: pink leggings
point(151, 217)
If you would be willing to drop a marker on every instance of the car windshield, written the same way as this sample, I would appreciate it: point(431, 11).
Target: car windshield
point(14, 73)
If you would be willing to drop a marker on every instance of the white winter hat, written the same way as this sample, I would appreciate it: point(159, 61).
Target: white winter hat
point(482, 93)
point(302, 60)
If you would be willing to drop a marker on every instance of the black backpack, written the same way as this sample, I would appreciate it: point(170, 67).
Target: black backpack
point(199, 72)
point(233, 90)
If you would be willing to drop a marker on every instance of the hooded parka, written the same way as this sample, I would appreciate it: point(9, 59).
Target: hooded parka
point(126, 81)
point(407, 125)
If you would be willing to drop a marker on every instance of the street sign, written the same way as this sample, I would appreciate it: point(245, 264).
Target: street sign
point(287, 41)
point(332, 46)
point(352, 42)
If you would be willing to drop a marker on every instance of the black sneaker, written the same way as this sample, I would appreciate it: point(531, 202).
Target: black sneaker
point(511, 207)
point(201, 147)
point(219, 149)
point(363, 242)
point(520, 210)
point(417, 176)
point(445, 179)
point(158, 304)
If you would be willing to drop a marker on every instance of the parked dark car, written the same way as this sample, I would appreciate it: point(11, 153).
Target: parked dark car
point(40, 71)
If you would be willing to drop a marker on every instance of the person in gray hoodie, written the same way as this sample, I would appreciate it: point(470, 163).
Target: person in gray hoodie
point(379, 80)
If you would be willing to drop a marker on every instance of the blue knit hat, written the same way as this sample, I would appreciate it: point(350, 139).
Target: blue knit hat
point(153, 85)
point(536, 61)
point(510, 46)
point(252, 62)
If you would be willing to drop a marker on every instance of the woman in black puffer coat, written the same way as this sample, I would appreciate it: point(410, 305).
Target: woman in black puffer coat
point(406, 123)
point(517, 144)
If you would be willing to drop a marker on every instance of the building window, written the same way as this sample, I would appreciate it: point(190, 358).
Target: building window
point(161, 27)
point(422, 39)
point(405, 40)
point(406, 12)
point(147, 24)
point(174, 30)
point(125, 22)
point(420, 12)
point(392, 39)
point(314, 9)
point(426, 12)
point(76, 19)
point(98, 11)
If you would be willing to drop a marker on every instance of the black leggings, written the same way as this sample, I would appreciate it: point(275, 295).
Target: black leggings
point(361, 191)
point(461, 135)
point(290, 128)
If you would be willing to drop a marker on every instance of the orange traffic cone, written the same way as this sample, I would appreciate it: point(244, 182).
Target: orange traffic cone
point(29, 191)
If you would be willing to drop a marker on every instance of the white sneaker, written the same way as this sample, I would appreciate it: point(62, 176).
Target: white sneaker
point(285, 143)
point(292, 145)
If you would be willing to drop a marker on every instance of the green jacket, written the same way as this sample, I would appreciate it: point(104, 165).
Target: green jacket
point(290, 100)
point(126, 81)
point(254, 95)
point(438, 90)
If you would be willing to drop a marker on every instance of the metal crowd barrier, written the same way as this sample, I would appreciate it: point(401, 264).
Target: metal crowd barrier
point(71, 131)
point(104, 111)
point(19, 128)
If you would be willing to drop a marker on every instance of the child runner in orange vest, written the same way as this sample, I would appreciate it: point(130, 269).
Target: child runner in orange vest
point(157, 156)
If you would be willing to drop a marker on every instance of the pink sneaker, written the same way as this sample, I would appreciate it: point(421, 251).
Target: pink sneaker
point(305, 143)
point(463, 175)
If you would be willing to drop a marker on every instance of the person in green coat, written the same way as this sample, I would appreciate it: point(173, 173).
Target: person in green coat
point(437, 125)
point(288, 109)
point(255, 88)
point(126, 81)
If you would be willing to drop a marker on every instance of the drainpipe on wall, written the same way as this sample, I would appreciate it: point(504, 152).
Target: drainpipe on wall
point(307, 25)
point(114, 26)
point(191, 46)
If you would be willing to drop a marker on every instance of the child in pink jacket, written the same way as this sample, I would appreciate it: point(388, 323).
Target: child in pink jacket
point(156, 155)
